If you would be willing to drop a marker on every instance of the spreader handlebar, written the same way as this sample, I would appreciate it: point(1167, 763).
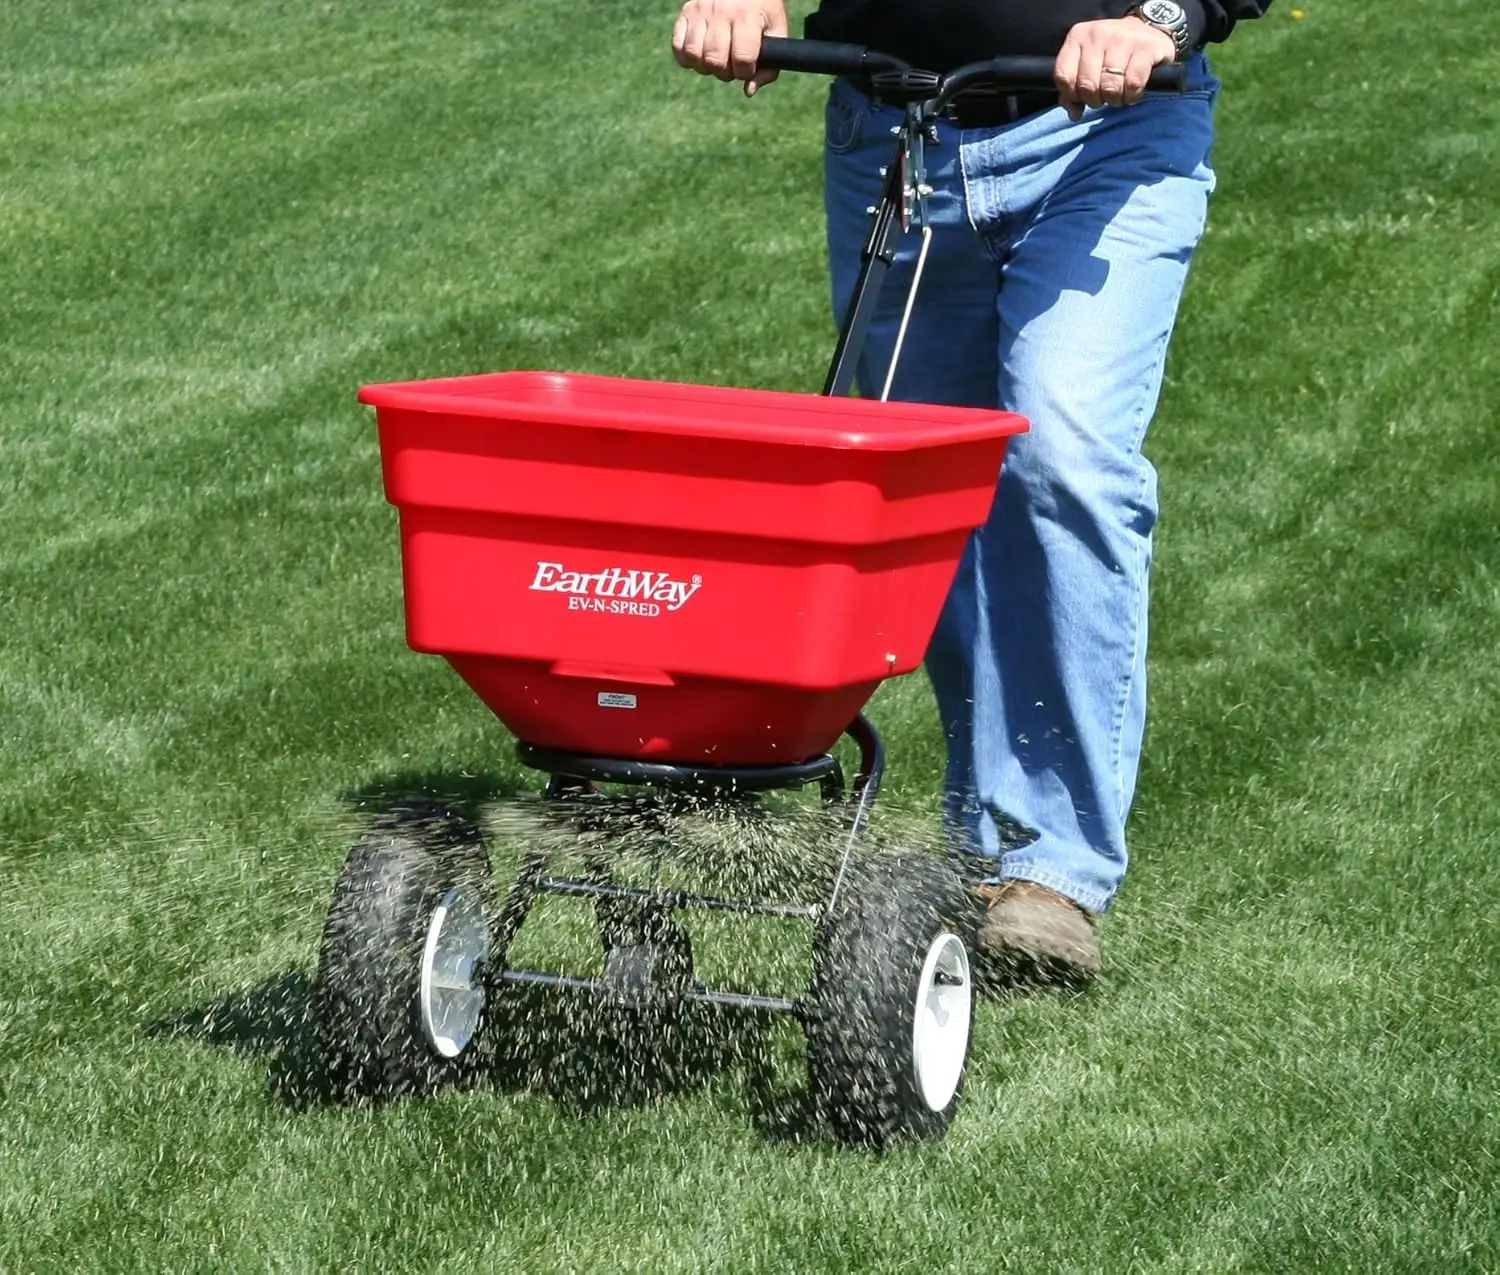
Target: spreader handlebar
point(1022, 74)
point(902, 82)
point(823, 57)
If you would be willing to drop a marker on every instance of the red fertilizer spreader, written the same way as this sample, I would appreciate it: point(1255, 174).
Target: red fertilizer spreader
point(677, 598)
point(677, 573)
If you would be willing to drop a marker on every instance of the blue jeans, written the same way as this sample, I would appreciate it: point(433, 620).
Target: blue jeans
point(1058, 258)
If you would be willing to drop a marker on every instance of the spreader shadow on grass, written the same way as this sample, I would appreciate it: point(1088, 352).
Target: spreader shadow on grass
point(587, 1058)
point(467, 793)
point(274, 1020)
point(587, 1054)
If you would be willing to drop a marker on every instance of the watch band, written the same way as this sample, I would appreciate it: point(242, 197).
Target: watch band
point(1167, 16)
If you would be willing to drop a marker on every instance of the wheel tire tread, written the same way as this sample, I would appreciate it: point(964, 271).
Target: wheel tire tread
point(866, 955)
point(369, 1017)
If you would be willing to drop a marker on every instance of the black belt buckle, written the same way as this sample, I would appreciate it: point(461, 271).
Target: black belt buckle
point(995, 110)
point(977, 108)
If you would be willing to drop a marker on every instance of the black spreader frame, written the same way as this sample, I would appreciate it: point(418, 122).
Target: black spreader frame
point(574, 776)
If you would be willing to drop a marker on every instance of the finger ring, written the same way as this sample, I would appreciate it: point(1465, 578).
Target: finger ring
point(1113, 70)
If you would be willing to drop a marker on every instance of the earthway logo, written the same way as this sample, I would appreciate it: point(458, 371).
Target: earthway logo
point(615, 590)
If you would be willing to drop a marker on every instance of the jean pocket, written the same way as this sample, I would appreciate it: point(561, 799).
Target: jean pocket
point(845, 117)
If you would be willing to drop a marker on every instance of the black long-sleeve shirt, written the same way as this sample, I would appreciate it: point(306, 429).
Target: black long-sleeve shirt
point(942, 34)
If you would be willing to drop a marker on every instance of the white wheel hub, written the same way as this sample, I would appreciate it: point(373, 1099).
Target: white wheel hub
point(940, 1027)
point(458, 941)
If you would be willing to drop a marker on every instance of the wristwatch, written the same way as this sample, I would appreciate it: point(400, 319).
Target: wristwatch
point(1168, 16)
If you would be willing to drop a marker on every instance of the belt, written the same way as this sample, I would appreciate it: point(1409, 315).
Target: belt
point(978, 108)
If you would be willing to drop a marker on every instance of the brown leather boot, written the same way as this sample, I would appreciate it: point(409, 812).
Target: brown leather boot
point(1031, 934)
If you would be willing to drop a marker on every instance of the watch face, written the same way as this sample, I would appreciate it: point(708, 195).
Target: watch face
point(1164, 11)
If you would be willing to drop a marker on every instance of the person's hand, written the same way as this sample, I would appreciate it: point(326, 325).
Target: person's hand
point(722, 38)
point(1106, 62)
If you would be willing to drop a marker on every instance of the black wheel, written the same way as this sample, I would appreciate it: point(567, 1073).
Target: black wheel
point(892, 1004)
point(401, 990)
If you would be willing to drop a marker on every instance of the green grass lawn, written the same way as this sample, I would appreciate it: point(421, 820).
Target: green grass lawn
point(218, 220)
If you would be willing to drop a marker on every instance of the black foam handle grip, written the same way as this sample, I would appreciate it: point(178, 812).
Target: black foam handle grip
point(1171, 78)
point(1029, 73)
point(818, 57)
